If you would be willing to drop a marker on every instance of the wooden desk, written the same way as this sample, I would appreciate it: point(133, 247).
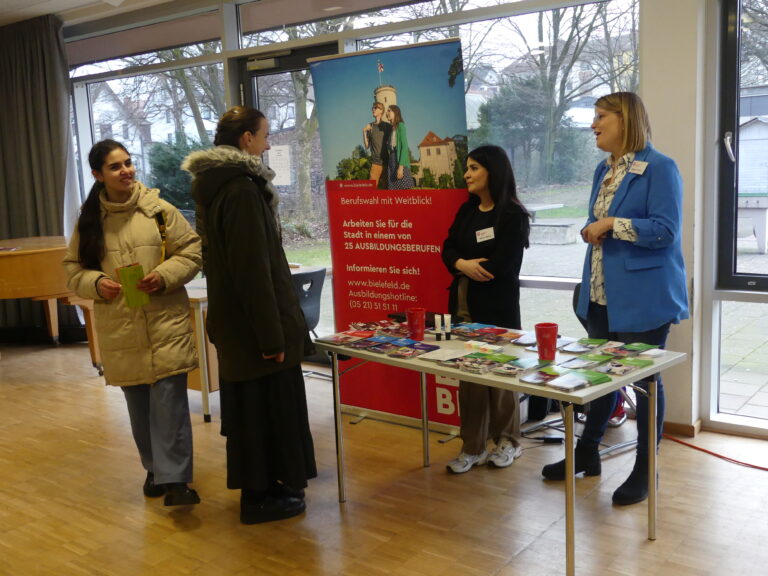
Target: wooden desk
point(31, 268)
point(567, 399)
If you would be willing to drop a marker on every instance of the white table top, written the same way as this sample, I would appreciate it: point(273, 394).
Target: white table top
point(582, 396)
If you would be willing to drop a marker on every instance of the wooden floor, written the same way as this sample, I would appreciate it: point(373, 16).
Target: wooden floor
point(71, 501)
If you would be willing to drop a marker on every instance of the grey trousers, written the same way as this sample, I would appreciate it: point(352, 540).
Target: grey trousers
point(487, 413)
point(162, 428)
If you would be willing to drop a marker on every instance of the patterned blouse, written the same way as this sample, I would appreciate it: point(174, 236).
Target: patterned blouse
point(622, 227)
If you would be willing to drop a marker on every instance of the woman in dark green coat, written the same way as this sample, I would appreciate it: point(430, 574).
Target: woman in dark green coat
point(254, 320)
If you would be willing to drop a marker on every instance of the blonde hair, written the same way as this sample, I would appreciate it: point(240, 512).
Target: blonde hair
point(637, 126)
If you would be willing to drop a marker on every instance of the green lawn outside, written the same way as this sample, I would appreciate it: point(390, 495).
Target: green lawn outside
point(573, 197)
point(310, 253)
point(564, 212)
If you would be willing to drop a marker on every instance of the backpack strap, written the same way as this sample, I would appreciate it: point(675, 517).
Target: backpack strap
point(160, 219)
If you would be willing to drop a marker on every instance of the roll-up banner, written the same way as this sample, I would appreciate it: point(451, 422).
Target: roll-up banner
point(394, 140)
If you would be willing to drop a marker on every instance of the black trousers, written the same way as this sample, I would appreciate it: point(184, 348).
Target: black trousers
point(601, 409)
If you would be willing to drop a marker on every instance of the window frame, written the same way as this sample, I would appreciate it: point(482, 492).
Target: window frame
point(727, 278)
point(237, 75)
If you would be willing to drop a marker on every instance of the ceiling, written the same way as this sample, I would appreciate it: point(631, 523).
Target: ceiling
point(71, 11)
point(74, 12)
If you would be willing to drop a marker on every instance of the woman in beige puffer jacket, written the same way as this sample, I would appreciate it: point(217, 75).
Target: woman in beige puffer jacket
point(146, 350)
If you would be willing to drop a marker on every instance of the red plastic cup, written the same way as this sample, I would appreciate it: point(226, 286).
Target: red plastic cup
point(415, 318)
point(546, 340)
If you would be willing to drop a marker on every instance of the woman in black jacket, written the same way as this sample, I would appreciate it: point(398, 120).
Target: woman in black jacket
point(254, 320)
point(484, 251)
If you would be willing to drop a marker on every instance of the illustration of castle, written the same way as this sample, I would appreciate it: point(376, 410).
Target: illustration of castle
point(386, 94)
point(437, 155)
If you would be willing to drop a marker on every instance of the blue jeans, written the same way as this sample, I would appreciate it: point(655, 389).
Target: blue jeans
point(600, 410)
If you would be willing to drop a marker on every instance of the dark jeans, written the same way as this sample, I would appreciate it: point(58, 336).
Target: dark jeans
point(600, 410)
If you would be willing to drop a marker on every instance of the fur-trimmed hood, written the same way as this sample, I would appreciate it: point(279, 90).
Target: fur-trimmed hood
point(214, 167)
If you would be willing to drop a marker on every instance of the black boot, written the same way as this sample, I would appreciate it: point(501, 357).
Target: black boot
point(152, 490)
point(635, 488)
point(258, 507)
point(587, 460)
point(179, 494)
point(279, 489)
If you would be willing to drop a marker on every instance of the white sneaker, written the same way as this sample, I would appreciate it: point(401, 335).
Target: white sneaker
point(464, 462)
point(504, 454)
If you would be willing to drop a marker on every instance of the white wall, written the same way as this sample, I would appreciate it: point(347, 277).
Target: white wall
point(673, 86)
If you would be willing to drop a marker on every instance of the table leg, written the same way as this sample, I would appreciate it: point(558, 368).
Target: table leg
point(424, 417)
point(652, 471)
point(52, 318)
point(202, 359)
point(90, 331)
point(570, 492)
point(337, 421)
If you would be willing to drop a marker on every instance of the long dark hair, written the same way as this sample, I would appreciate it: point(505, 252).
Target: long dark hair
point(89, 226)
point(501, 178)
point(234, 123)
point(501, 182)
point(398, 115)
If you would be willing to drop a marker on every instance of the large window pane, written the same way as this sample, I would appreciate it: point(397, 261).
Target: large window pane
point(259, 29)
point(537, 305)
point(744, 360)
point(160, 118)
point(752, 201)
point(287, 99)
point(742, 260)
point(531, 82)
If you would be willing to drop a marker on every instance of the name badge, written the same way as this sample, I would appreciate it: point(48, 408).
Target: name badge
point(638, 167)
point(484, 234)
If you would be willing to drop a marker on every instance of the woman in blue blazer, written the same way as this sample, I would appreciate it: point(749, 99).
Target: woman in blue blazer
point(633, 283)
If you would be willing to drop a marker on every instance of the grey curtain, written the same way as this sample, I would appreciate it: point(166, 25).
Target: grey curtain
point(34, 141)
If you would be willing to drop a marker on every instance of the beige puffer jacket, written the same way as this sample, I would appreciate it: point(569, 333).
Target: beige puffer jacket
point(142, 345)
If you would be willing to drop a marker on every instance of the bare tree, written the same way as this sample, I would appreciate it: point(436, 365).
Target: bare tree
point(281, 92)
point(754, 43)
point(476, 53)
point(569, 55)
point(561, 36)
point(614, 57)
point(181, 93)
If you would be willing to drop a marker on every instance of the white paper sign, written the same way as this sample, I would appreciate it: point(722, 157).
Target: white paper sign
point(279, 160)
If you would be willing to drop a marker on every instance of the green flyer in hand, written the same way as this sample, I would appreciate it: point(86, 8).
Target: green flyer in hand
point(129, 276)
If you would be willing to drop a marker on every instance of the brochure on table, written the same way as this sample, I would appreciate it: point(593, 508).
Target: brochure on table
point(386, 243)
point(500, 352)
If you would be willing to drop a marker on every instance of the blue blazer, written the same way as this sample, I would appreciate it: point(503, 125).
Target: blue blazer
point(645, 281)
